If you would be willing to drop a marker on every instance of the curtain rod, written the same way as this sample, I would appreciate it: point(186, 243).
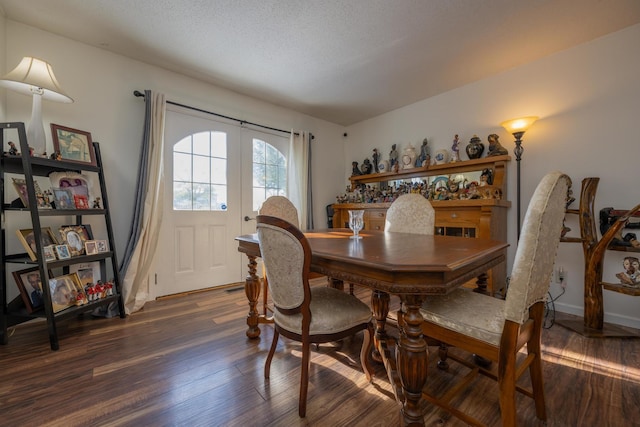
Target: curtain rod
point(242, 122)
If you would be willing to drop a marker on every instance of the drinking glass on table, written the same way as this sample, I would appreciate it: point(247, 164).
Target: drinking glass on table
point(356, 222)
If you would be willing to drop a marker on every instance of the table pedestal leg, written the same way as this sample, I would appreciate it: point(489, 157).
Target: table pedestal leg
point(380, 307)
point(252, 290)
point(412, 360)
point(482, 284)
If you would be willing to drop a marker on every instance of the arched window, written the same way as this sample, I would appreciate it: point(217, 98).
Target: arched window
point(200, 172)
point(269, 172)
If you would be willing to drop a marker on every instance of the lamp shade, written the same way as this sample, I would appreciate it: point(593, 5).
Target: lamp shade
point(35, 76)
point(521, 124)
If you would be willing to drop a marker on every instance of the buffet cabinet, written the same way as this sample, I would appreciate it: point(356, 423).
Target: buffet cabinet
point(470, 218)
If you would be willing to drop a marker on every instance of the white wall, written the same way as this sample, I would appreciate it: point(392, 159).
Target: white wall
point(588, 98)
point(102, 86)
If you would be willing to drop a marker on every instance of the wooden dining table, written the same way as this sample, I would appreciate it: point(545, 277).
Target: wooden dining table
point(411, 266)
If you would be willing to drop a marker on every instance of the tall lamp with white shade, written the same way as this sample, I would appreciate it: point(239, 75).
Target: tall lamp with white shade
point(35, 77)
point(517, 127)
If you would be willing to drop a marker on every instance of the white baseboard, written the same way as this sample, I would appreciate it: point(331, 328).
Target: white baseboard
point(612, 318)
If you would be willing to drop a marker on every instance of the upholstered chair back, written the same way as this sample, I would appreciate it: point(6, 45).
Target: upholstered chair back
point(280, 207)
point(286, 251)
point(410, 213)
point(536, 252)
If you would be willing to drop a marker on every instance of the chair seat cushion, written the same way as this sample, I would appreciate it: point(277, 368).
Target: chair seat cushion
point(331, 311)
point(466, 312)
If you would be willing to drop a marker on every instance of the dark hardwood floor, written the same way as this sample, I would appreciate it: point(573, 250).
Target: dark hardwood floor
point(186, 361)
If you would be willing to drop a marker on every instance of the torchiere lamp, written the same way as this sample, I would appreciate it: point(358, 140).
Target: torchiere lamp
point(35, 77)
point(517, 127)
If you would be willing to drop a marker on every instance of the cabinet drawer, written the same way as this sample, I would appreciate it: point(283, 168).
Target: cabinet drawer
point(457, 217)
point(374, 219)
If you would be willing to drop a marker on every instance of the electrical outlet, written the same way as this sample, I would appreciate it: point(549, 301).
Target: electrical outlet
point(561, 276)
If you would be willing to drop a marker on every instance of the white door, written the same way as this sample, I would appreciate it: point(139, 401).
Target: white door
point(203, 212)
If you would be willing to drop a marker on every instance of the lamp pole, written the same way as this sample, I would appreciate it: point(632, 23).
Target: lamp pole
point(518, 153)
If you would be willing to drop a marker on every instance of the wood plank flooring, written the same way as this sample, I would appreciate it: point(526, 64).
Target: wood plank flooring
point(187, 362)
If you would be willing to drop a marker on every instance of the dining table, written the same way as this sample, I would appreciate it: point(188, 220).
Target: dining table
point(411, 266)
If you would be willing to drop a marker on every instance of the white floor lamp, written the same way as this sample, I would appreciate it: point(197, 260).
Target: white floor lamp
point(35, 77)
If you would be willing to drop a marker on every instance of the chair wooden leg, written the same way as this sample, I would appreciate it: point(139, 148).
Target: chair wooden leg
point(443, 351)
point(507, 388)
point(365, 351)
point(304, 379)
point(265, 295)
point(535, 368)
point(272, 350)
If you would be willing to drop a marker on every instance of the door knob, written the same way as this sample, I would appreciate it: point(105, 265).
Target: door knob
point(248, 218)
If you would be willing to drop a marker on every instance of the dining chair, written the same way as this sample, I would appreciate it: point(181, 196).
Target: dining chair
point(410, 213)
point(279, 207)
point(302, 313)
point(497, 329)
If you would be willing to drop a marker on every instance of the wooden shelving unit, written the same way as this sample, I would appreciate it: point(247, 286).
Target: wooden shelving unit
point(594, 253)
point(14, 312)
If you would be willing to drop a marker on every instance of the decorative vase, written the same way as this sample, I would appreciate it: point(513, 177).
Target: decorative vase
point(409, 157)
point(475, 148)
point(383, 166)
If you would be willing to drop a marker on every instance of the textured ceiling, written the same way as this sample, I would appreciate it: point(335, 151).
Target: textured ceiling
point(339, 60)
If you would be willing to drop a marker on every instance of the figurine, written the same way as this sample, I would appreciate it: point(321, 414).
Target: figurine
point(424, 159)
point(355, 170)
point(376, 160)
point(393, 157)
point(456, 150)
point(475, 148)
point(13, 151)
point(486, 177)
point(96, 203)
point(495, 148)
point(366, 167)
point(631, 274)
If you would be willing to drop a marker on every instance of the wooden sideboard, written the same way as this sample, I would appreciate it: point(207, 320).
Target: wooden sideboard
point(483, 218)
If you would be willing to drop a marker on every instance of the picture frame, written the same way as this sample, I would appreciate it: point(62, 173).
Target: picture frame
point(20, 184)
point(90, 247)
point(74, 182)
point(81, 202)
point(50, 253)
point(73, 145)
point(63, 198)
point(63, 251)
point(27, 238)
point(30, 286)
point(65, 291)
point(88, 272)
point(75, 237)
point(102, 246)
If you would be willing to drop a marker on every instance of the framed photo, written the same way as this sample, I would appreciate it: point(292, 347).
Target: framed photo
point(90, 247)
point(74, 182)
point(63, 251)
point(49, 253)
point(73, 145)
point(75, 236)
point(63, 199)
point(21, 188)
point(102, 245)
point(81, 202)
point(30, 286)
point(88, 272)
point(28, 240)
point(66, 291)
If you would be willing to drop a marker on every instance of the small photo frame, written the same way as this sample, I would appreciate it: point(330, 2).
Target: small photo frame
point(50, 253)
point(21, 188)
point(30, 286)
point(27, 238)
point(89, 272)
point(75, 236)
point(63, 199)
point(73, 145)
point(74, 182)
point(66, 291)
point(81, 202)
point(63, 251)
point(102, 245)
point(90, 247)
